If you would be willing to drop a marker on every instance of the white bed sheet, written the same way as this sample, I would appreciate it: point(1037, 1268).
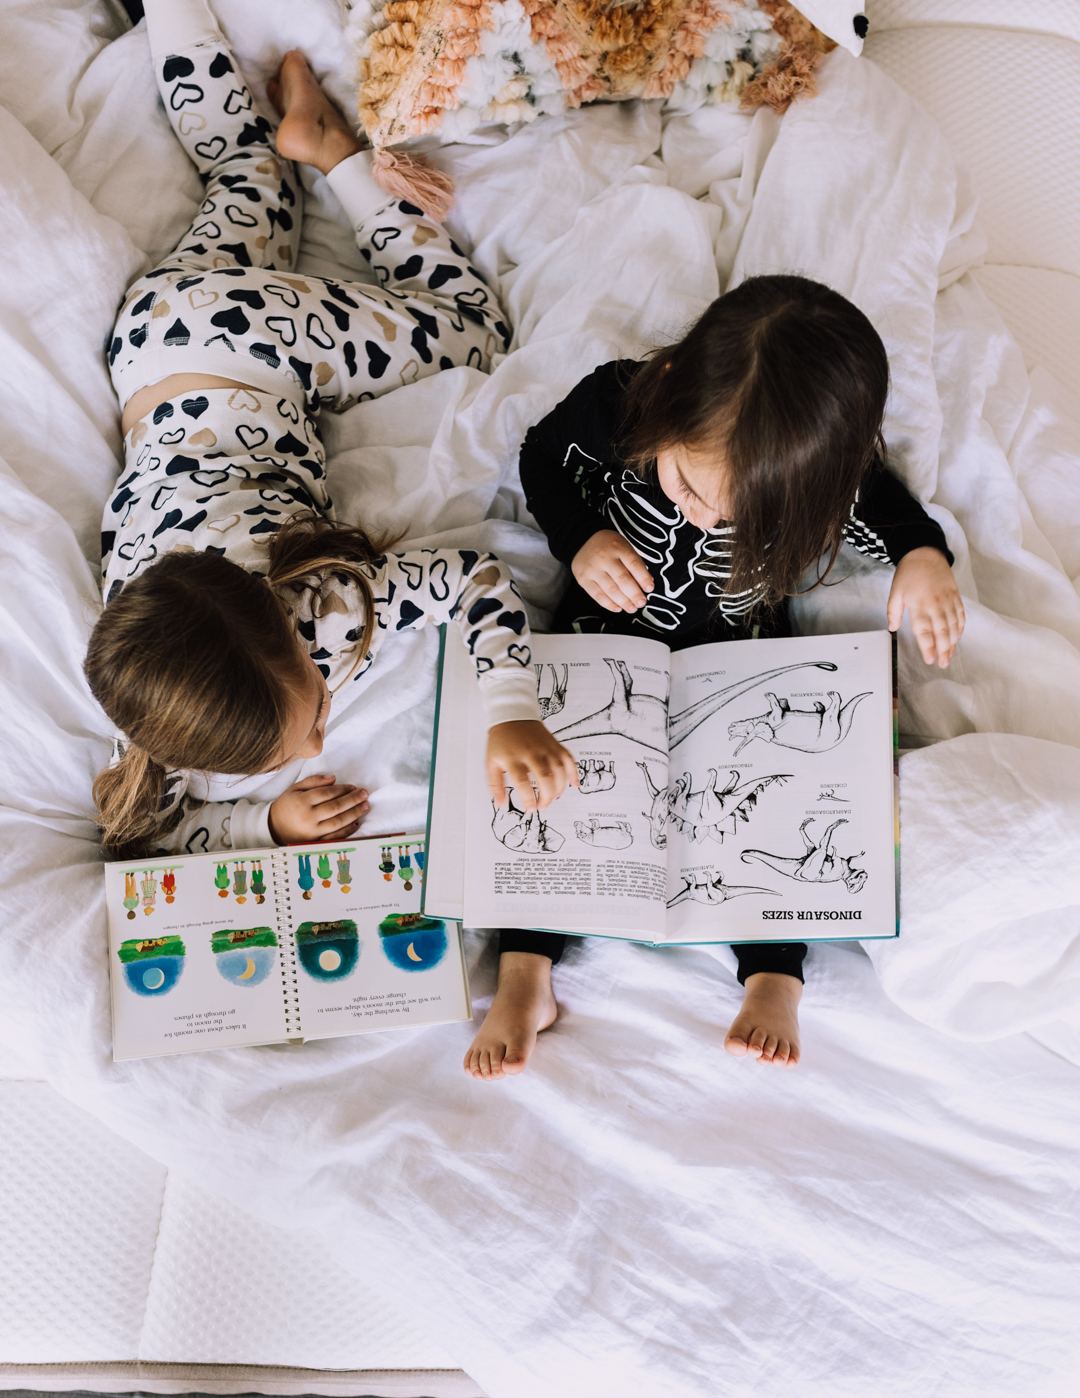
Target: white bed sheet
point(637, 1214)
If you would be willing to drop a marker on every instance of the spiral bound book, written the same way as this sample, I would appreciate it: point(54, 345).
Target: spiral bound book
point(240, 947)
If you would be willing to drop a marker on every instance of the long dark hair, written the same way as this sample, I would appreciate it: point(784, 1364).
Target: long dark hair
point(195, 662)
point(785, 381)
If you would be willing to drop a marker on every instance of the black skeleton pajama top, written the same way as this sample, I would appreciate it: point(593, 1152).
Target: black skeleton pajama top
point(576, 484)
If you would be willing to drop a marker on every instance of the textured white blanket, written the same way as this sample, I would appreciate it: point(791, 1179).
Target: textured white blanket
point(637, 1214)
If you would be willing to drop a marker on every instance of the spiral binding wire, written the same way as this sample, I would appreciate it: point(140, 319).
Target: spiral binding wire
point(289, 985)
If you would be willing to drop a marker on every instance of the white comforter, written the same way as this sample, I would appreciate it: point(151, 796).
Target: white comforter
point(638, 1214)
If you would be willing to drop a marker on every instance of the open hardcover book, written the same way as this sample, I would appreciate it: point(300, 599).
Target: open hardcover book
point(735, 792)
point(277, 945)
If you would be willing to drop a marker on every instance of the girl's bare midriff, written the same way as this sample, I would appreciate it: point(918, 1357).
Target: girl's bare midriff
point(142, 403)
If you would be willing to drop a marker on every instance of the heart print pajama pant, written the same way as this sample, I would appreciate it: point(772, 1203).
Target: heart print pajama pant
point(229, 302)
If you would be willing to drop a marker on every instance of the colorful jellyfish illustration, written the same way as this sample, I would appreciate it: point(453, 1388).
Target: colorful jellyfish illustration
point(258, 882)
point(387, 864)
point(168, 885)
point(131, 896)
point(240, 882)
point(324, 870)
point(405, 868)
point(221, 879)
point(149, 891)
point(343, 870)
point(306, 882)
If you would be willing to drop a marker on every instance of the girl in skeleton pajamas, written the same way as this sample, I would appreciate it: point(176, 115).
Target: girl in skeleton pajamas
point(690, 496)
point(237, 608)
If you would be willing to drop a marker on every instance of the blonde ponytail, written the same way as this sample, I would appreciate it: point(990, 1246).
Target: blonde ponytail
point(128, 797)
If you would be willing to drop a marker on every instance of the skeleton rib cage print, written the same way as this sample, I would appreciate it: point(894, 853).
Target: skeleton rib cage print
point(678, 552)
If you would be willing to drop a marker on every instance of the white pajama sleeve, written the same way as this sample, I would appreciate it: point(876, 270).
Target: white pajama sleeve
point(476, 593)
point(190, 825)
point(357, 193)
point(173, 26)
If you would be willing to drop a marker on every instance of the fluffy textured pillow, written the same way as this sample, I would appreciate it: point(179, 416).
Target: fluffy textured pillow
point(444, 66)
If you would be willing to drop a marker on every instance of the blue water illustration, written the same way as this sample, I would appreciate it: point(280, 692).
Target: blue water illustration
point(328, 951)
point(418, 945)
point(154, 975)
point(249, 966)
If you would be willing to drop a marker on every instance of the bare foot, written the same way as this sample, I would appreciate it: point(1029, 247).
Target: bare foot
point(523, 1006)
point(312, 129)
point(767, 1025)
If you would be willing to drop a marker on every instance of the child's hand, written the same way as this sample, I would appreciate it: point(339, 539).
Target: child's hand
point(523, 755)
point(317, 809)
point(612, 572)
point(924, 583)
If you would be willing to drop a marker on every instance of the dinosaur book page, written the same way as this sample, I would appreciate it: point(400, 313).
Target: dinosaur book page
point(591, 861)
point(780, 806)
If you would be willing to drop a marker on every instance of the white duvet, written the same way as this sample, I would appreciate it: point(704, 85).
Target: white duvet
point(638, 1214)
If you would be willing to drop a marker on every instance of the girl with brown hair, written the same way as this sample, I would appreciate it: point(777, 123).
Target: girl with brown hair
point(237, 608)
point(690, 495)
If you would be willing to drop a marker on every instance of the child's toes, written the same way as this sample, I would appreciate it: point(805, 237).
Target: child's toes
point(756, 1042)
point(517, 1055)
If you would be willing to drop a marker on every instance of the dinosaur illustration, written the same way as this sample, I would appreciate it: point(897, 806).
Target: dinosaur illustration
point(595, 775)
point(604, 834)
point(553, 703)
point(713, 891)
point(528, 834)
point(640, 717)
point(807, 730)
point(657, 813)
point(682, 724)
point(703, 815)
point(819, 864)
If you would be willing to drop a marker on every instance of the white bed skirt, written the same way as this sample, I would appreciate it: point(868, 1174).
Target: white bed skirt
point(135, 1377)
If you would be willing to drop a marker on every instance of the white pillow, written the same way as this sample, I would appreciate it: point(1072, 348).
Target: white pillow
point(841, 20)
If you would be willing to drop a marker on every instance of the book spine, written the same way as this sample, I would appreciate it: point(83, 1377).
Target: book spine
point(287, 943)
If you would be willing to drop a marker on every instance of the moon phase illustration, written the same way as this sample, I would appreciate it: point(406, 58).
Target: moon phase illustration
point(328, 951)
point(412, 941)
point(244, 957)
point(152, 965)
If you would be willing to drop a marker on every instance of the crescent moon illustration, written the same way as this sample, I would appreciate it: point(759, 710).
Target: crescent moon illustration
point(412, 954)
point(247, 975)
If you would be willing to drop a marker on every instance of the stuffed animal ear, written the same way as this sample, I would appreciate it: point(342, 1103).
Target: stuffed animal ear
point(841, 20)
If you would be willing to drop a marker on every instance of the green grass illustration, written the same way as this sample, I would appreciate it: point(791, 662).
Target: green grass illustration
point(406, 922)
point(143, 948)
point(230, 939)
point(320, 931)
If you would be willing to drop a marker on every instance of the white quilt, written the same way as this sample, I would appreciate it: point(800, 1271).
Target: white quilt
point(638, 1214)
